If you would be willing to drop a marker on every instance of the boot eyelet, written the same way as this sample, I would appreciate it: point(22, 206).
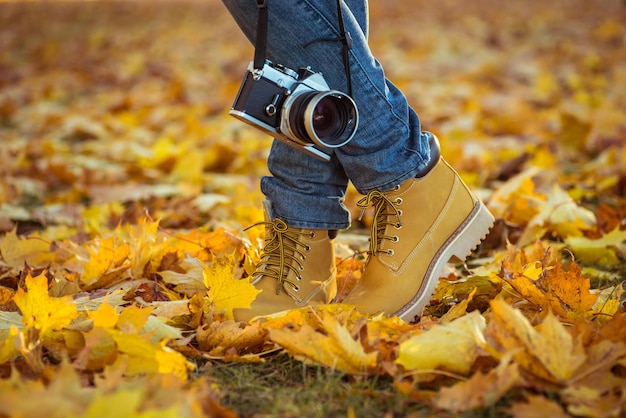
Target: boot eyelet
point(396, 188)
point(312, 234)
point(390, 253)
point(307, 248)
point(400, 213)
point(398, 225)
point(395, 238)
point(296, 288)
point(398, 201)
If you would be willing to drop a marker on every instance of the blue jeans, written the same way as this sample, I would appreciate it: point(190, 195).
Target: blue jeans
point(388, 147)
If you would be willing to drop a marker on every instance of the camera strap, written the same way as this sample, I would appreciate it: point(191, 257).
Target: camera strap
point(260, 43)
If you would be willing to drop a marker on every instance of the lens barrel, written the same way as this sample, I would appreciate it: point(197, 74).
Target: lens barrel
point(325, 118)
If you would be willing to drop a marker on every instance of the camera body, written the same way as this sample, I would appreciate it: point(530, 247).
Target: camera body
point(297, 108)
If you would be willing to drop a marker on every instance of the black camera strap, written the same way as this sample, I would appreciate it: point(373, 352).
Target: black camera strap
point(346, 39)
point(260, 43)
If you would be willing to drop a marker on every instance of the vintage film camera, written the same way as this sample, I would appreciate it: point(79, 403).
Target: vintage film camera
point(296, 107)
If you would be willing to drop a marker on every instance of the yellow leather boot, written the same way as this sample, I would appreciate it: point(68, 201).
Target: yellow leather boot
point(296, 269)
point(418, 227)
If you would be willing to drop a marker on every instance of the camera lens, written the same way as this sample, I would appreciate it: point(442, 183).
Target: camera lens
point(326, 118)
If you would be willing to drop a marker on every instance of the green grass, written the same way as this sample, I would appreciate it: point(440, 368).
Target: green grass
point(285, 387)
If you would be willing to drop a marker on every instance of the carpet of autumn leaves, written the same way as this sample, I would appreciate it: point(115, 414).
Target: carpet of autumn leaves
point(125, 189)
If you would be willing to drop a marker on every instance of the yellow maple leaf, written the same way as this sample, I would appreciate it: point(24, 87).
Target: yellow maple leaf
point(453, 346)
point(547, 351)
point(225, 292)
point(133, 318)
point(41, 311)
point(104, 317)
point(330, 344)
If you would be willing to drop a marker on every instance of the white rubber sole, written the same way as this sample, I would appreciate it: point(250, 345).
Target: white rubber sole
point(460, 244)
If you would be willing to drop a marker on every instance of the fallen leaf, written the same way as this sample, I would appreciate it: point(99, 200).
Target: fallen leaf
point(138, 356)
point(453, 346)
point(609, 250)
point(548, 351)
point(40, 310)
point(225, 291)
point(16, 251)
point(537, 407)
point(329, 344)
point(481, 390)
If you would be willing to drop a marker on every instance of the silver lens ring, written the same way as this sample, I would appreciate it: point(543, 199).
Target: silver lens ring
point(331, 118)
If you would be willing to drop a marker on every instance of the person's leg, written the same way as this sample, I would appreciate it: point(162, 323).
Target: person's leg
point(304, 195)
point(388, 146)
point(424, 212)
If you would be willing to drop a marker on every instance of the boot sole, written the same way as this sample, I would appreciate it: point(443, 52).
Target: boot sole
point(460, 244)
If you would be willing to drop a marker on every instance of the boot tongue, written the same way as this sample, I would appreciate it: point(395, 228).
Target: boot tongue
point(280, 248)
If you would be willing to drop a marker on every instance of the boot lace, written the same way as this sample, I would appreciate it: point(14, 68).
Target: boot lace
point(386, 213)
point(281, 254)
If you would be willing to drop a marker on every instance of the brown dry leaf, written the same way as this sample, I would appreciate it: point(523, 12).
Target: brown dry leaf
point(188, 282)
point(220, 337)
point(597, 389)
point(481, 390)
point(537, 406)
point(329, 344)
point(548, 351)
point(6, 296)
